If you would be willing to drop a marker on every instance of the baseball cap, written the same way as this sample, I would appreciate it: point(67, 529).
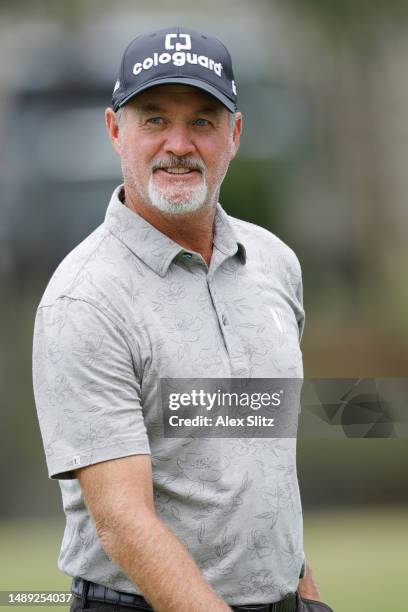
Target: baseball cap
point(176, 55)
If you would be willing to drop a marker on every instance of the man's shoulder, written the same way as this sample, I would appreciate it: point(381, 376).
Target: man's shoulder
point(258, 238)
point(85, 271)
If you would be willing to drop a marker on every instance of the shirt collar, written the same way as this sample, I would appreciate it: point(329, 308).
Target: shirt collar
point(155, 248)
point(224, 236)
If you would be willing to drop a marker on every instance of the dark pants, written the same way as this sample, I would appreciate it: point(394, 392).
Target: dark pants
point(96, 606)
point(303, 605)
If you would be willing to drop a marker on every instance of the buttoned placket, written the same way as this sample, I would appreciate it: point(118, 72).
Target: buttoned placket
point(231, 339)
point(234, 349)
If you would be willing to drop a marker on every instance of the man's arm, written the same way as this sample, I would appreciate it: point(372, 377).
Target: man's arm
point(307, 585)
point(119, 495)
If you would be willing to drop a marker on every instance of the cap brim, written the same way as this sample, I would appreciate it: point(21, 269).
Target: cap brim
point(231, 106)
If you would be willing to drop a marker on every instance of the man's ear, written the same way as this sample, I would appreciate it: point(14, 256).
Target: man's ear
point(112, 125)
point(237, 133)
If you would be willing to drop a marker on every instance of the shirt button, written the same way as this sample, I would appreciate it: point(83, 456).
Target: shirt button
point(187, 255)
point(224, 319)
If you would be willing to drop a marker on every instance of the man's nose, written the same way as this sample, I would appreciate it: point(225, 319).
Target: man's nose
point(179, 141)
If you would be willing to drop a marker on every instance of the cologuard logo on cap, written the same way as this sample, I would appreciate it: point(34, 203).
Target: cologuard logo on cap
point(178, 58)
point(176, 55)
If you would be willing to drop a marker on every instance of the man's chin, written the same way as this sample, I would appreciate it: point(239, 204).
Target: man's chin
point(176, 207)
point(177, 203)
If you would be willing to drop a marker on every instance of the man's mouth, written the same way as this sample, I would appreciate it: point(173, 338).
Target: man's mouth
point(179, 173)
point(178, 170)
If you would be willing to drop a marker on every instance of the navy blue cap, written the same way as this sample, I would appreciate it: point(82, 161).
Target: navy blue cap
point(176, 55)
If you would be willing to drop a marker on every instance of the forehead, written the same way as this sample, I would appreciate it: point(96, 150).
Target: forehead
point(169, 96)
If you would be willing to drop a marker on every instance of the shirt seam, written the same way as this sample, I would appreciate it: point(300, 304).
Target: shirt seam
point(102, 239)
point(92, 449)
point(108, 316)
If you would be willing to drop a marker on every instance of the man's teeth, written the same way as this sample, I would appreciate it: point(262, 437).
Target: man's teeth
point(177, 170)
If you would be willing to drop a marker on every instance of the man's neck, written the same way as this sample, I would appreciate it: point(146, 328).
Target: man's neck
point(193, 231)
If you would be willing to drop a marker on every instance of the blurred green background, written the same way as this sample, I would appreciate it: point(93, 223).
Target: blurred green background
point(359, 557)
point(323, 86)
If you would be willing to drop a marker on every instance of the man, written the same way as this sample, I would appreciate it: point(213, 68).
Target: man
point(170, 286)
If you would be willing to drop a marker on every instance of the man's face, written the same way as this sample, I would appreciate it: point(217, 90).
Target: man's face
point(175, 144)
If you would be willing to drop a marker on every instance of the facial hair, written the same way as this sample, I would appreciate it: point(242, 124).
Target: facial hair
point(185, 200)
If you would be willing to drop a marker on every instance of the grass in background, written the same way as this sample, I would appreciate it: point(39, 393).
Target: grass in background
point(359, 558)
point(28, 560)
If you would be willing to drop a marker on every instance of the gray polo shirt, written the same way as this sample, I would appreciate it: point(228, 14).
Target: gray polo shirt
point(129, 306)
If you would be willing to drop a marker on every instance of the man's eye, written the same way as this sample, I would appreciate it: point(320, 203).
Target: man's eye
point(201, 122)
point(155, 120)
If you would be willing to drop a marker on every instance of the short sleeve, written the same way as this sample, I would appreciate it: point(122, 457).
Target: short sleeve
point(300, 312)
point(86, 389)
point(294, 277)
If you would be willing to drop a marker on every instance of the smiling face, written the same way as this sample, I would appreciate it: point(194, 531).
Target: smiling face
point(175, 143)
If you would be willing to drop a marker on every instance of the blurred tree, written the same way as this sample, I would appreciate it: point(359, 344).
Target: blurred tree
point(350, 18)
point(358, 93)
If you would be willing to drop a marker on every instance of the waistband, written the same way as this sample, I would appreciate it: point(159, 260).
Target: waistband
point(91, 591)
